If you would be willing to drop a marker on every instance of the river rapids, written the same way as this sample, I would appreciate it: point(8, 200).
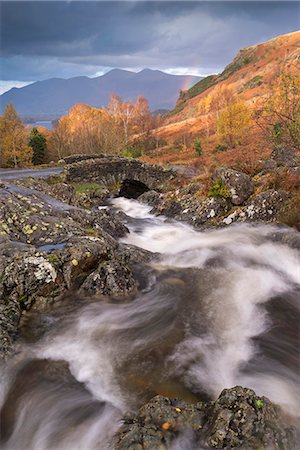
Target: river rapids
point(216, 309)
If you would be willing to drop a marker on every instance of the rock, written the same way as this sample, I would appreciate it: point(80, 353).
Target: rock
point(170, 207)
point(10, 314)
point(269, 165)
point(151, 198)
point(109, 221)
point(157, 424)
point(266, 206)
point(285, 157)
point(237, 419)
point(238, 184)
point(110, 278)
point(211, 208)
point(192, 188)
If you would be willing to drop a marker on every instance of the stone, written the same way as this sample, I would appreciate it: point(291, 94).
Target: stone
point(211, 208)
point(151, 198)
point(238, 184)
point(237, 419)
point(266, 206)
point(285, 157)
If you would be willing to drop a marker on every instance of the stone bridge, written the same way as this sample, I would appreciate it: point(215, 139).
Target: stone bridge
point(132, 176)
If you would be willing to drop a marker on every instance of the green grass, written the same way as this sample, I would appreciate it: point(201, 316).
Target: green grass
point(87, 188)
point(255, 81)
point(202, 86)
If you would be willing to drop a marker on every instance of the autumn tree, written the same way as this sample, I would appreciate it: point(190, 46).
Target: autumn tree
point(122, 113)
point(142, 118)
point(14, 150)
point(280, 116)
point(37, 141)
point(234, 123)
point(85, 130)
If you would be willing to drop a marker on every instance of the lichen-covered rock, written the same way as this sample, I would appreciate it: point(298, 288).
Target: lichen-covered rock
point(241, 419)
point(238, 184)
point(29, 216)
point(211, 208)
point(158, 423)
point(237, 419)
point(266, 206)
point(110, 278)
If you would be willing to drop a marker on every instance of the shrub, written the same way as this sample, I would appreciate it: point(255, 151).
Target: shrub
point(218, 189)
point(132, 152)
point(198, 147)
point(221, 147)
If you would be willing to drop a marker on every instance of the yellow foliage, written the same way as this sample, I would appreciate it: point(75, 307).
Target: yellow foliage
point(281, 115)
point(15, 150)
point(234, 123)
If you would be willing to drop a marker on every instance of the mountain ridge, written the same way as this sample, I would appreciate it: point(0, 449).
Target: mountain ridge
point(55, 96)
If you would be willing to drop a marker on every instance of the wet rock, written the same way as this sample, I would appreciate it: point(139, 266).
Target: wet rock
point(241, 419)
point(110, 222)
point(151, 198)
point(110, 278)
point(170, 207)
point(266, 206)
point(10, 314)
point(158, 423)
point(238, 184)
point(237, 419)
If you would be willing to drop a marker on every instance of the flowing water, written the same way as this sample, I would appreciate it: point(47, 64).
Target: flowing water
point(215, 309)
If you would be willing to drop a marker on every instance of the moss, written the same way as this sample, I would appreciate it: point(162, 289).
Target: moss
point(91, 232)
point(87, 188)
point(53, 259)
point(259, 403)
point(218, 189)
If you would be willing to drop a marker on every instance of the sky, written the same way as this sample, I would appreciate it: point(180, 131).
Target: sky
point(42, 39)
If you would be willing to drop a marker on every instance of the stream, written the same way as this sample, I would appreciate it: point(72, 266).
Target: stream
point(216, 309)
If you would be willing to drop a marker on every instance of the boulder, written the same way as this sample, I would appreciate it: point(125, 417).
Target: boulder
point(237, 419)
point(266, 206)
point(211, 208)
point(238, 184)
point(151, 198)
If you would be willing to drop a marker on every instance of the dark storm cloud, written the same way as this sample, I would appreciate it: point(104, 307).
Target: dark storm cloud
point(44, 39)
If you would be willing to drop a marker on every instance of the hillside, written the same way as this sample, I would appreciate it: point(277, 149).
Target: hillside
point(249, 76)
point(55, 96)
